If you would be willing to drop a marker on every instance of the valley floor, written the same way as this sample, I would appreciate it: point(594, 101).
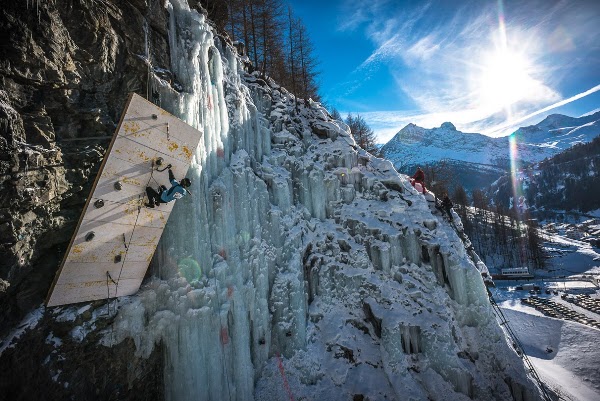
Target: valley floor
point(565, 354)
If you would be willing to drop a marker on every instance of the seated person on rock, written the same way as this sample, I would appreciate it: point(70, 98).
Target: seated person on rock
point(418, 177)
point(163, 195)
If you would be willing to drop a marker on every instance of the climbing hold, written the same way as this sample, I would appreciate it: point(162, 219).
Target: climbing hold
point(117, 258)
point(99, 203)
point(89, 236)
point(154, 116)
point(158, 161)
point(118, 186)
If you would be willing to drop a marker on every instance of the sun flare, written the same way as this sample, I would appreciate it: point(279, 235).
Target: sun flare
point(504, 79)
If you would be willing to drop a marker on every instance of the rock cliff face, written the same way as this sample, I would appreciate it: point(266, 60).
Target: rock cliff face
point(66, 69)
point(324, 274)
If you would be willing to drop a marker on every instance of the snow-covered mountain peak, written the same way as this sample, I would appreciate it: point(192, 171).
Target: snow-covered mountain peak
point(475, 155)
point(448, 126)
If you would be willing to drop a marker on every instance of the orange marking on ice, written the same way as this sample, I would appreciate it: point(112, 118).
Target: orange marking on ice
point(224, 336)
point(131, 181)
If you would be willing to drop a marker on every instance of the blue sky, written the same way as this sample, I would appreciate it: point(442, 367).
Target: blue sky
point(485, 66)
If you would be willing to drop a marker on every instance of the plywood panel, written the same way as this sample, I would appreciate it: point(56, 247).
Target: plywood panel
point(142, 113)
point(88, 252)
point(104, 232)
point(92, 290)
point(130, 213)
point(147, 136)
point(80, 273)
point(122, 226)
point(131, 166)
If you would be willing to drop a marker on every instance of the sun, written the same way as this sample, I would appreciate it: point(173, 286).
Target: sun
point(504, 79)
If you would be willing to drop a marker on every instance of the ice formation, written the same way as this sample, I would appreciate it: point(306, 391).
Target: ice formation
point(323, 273)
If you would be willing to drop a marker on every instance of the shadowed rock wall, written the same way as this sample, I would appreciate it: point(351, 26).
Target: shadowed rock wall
point(66, 69)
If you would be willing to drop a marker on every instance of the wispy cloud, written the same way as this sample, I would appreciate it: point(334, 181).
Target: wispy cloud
point(387, 123)
point(515, 122)
point(439, 58)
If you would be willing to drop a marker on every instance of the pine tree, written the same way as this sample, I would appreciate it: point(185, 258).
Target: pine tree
point(362, 134)
point(335, 114)
point(276, 42)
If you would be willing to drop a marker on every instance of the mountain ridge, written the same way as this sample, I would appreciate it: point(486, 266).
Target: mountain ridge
point(414, 145)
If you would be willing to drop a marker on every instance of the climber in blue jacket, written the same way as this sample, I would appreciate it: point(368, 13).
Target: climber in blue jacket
point(163, 195)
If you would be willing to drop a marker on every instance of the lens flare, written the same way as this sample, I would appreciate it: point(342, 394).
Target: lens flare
point(517, 195)
point(514, 167)
point(190, 269)
point(505, 74)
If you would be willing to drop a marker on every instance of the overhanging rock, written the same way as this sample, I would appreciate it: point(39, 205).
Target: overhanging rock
point(116, 235)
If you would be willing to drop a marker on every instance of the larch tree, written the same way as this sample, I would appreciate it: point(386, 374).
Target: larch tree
point(362, 134)
point(306, 63)
point(335, 114)
point(277, 43)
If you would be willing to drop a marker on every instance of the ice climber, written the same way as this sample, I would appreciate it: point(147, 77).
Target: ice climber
point(163, 195)
point(419, 177)
point(447, 205)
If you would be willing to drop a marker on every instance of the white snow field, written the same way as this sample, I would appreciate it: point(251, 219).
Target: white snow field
point(566, 354)
point(325, 275)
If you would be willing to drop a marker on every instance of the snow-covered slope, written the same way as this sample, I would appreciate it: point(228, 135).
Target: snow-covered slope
point(567, 181)
point(424, 146)
point(469, 152)
point(325, 275)
point(321, 273)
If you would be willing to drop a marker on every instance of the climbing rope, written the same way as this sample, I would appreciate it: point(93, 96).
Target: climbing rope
point(126, 243)
point(503, 321)
point(108, 277)
point(285, 381)
point(518, 346)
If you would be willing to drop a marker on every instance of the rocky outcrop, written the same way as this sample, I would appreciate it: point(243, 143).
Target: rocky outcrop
point(66, 69)
point(58, 358)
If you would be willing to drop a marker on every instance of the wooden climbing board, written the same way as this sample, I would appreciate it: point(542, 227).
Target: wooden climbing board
point(116, 235)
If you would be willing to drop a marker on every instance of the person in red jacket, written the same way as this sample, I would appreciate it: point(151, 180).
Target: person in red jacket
point(419, 177)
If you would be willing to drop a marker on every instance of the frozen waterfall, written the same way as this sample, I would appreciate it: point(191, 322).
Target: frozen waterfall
point(298, 243)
